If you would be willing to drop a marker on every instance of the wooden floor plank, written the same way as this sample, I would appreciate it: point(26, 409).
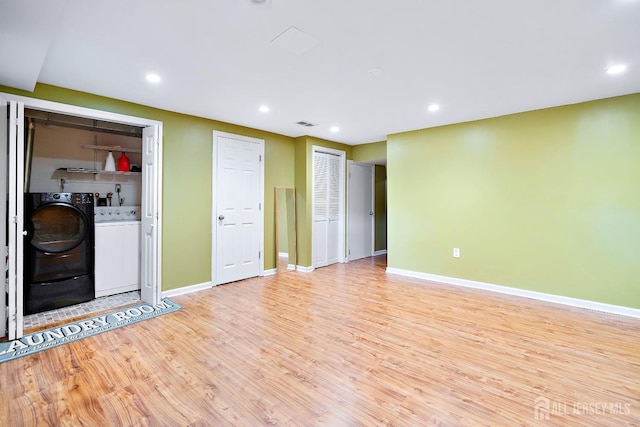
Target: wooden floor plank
point(344, 345)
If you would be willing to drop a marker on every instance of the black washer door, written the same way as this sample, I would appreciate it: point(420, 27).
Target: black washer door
point(58, 228)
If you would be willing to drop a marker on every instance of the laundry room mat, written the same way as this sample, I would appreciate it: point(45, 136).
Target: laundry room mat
point(59, 335)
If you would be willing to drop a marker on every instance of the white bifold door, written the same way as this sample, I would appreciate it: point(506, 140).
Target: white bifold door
point(12, 157)
point(150, 291)
point(328, 208)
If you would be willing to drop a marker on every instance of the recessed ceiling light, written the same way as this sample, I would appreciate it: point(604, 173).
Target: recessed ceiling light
point(263, 109)
point(616, 69)
point(433, 108)
point(335, 129)
point(153, 78)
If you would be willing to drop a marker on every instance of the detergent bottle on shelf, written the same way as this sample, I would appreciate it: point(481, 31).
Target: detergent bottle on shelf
point(110, 164)
point(123, 163)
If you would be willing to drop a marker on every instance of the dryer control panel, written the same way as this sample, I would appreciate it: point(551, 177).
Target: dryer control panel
point(55, 197)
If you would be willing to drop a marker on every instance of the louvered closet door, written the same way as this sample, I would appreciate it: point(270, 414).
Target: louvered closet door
point(327, 213)
point(333, 210)
point(320, 209)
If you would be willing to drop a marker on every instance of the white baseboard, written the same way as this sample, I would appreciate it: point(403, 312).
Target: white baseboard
point(558, 299)
point(380, 252)
point(187, 289)
point(270, 272)
point(304, 269)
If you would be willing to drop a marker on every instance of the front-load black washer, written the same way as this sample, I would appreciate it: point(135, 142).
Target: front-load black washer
point(58, 250)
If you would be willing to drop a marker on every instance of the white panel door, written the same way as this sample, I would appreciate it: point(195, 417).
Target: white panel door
point(150, 290)
point(238, 214)
point(361, 220)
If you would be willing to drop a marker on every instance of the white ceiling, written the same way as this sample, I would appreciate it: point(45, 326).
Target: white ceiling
point(371, 67)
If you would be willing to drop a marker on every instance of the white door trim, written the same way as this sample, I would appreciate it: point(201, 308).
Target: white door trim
point(214, 201)
point(57, 107)
point(74, 110)
point(342, 228)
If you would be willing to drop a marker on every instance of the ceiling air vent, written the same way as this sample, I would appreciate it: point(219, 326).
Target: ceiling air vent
point(305, 124)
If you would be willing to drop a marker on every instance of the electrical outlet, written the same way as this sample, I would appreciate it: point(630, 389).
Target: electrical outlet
point(118, 188)
point(456, 252)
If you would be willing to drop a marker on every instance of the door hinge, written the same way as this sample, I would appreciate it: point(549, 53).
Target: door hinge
point(260, 157)
point(259, 254)
point(259, 206)
point(349, 251)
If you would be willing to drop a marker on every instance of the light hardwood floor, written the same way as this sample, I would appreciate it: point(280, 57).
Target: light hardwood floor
point(345, 345)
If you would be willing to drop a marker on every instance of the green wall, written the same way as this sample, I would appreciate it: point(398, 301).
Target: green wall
point(546, 201)
point(186, 174)
point(373, 153)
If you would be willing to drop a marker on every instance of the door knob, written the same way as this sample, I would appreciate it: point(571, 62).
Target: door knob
point(221, 217)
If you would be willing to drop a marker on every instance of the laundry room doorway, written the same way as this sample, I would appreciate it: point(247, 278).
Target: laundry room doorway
point(12, 147)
